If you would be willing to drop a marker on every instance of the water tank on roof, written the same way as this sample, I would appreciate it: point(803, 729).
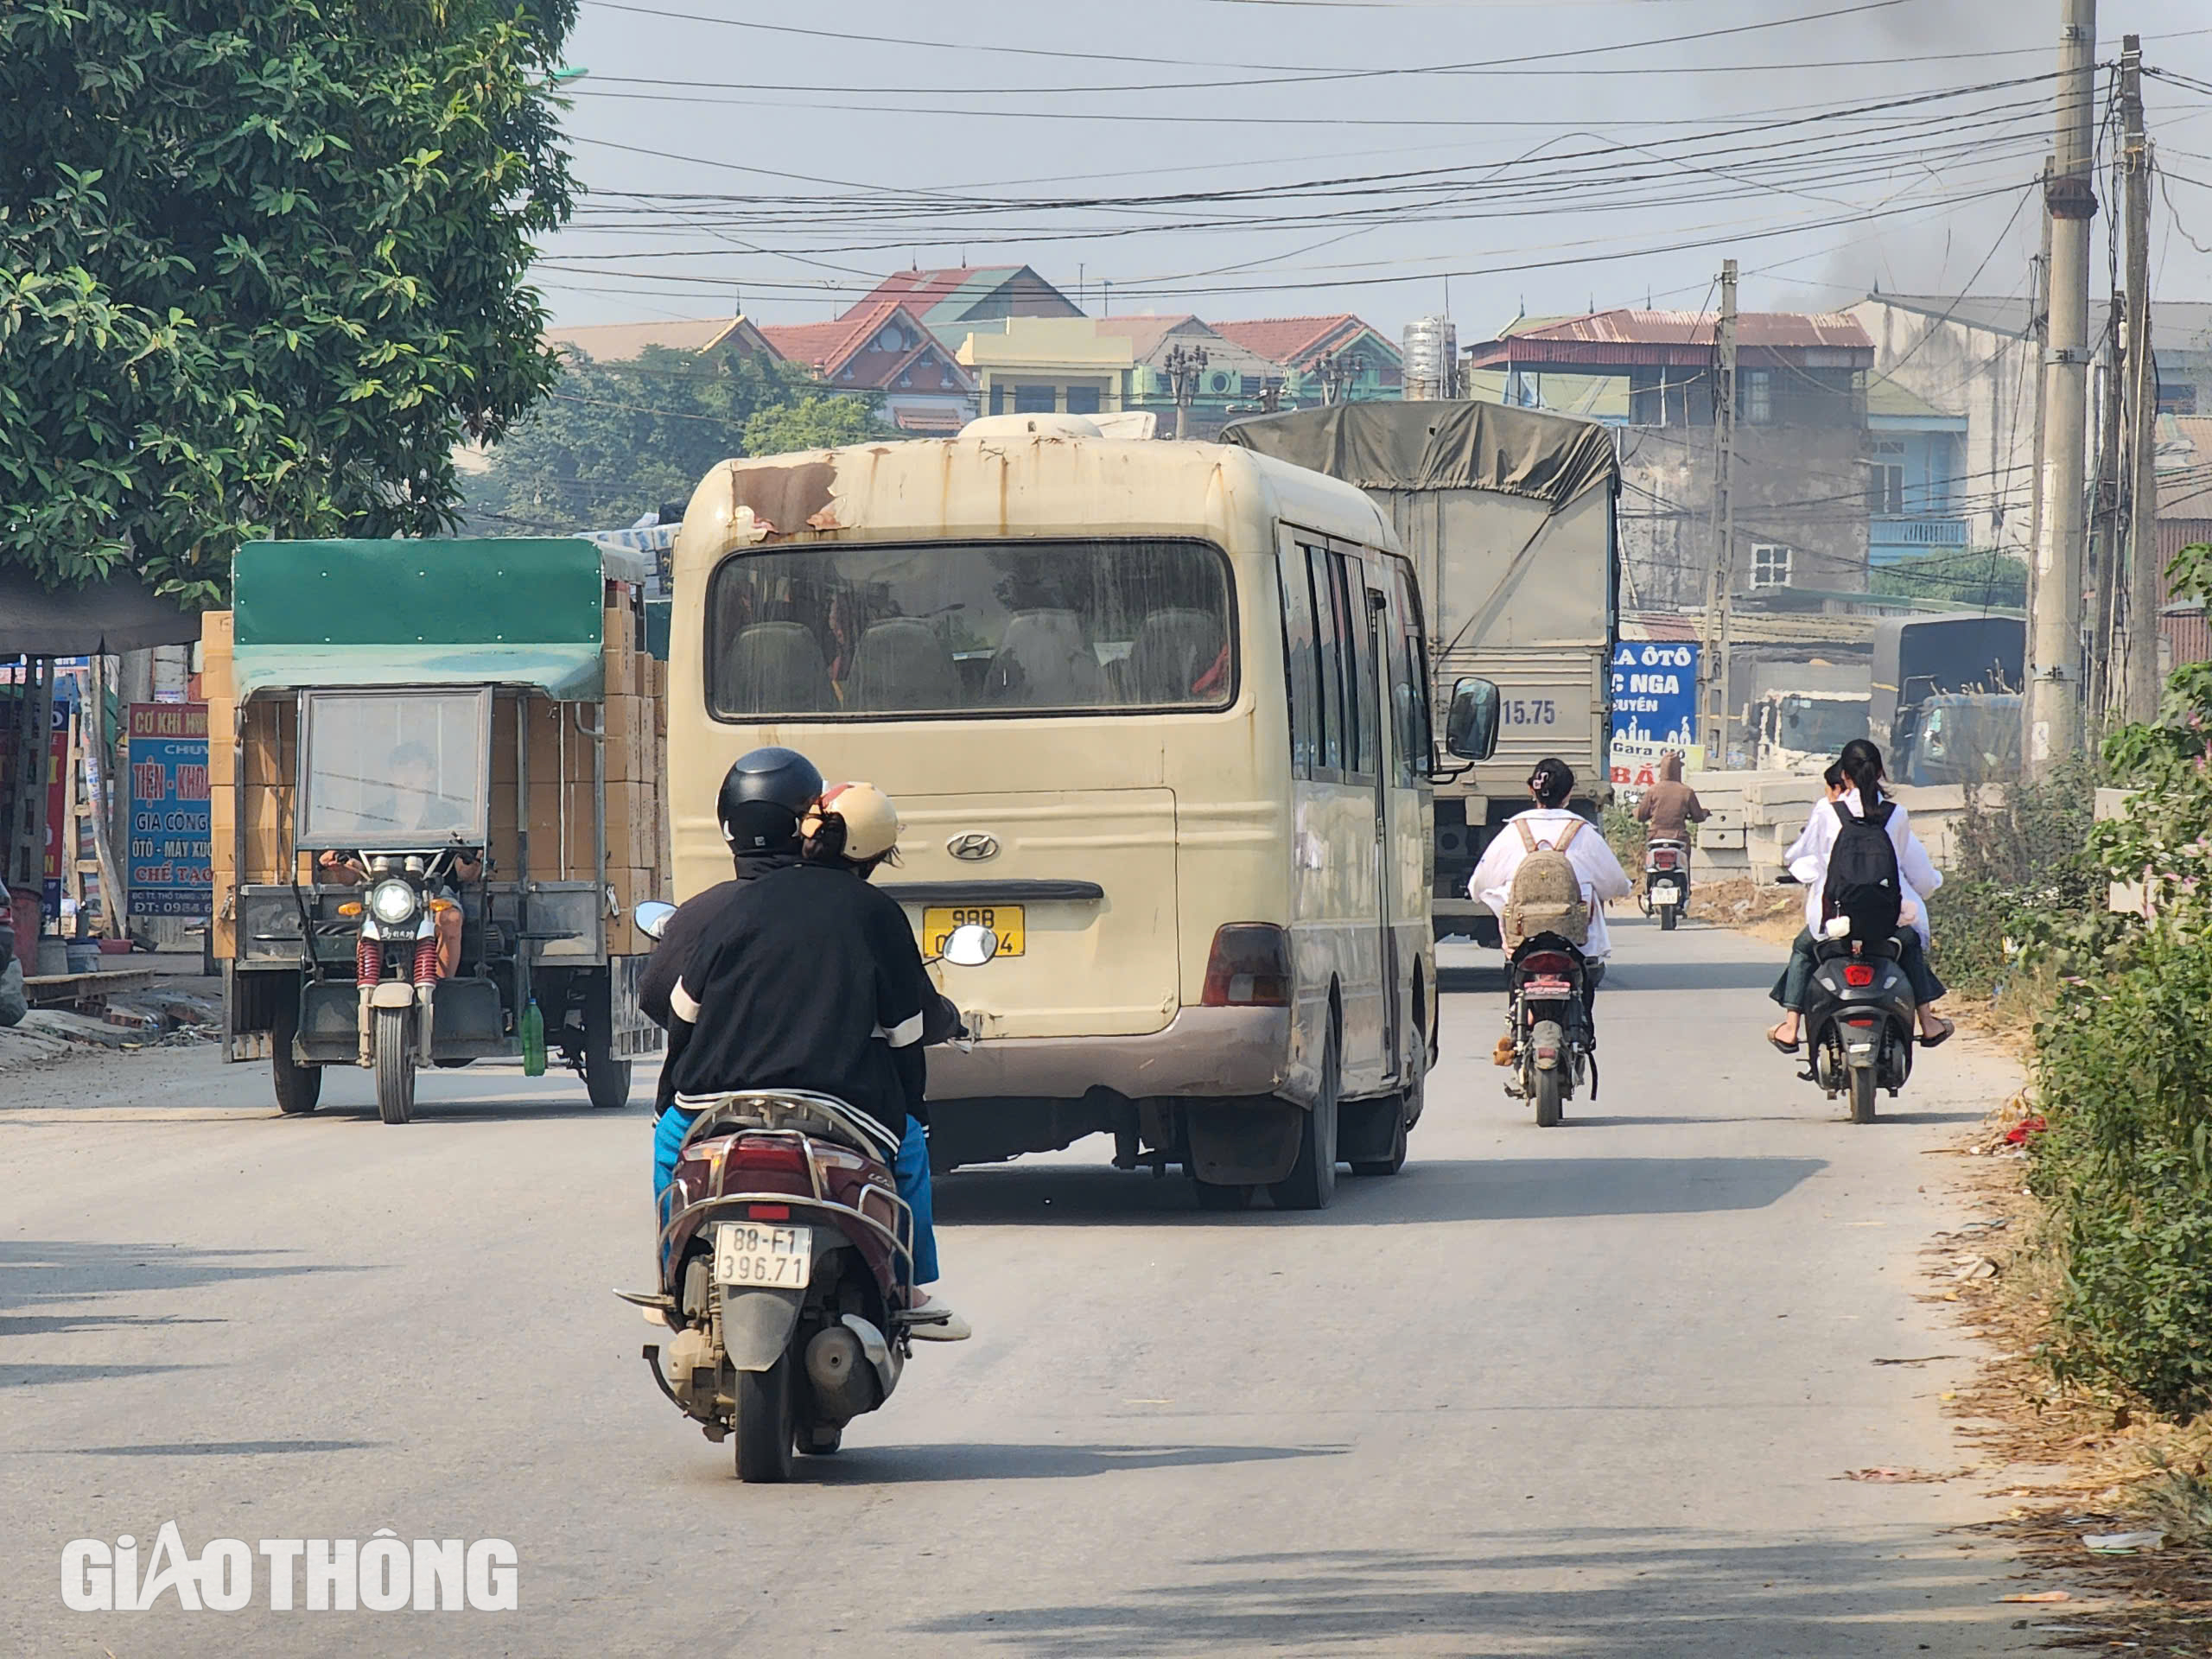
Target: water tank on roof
point(1431, 348)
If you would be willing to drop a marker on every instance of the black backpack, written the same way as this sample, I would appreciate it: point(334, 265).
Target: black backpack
point(1863, 882)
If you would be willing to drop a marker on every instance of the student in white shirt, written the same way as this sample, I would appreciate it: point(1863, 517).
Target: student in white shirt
point(1855, 778)
point(1601, 874)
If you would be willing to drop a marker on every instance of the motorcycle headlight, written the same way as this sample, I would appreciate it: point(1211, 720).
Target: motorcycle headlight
point(393, 903)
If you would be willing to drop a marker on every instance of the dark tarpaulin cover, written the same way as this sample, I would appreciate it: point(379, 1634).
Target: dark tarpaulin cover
point(1440, 445)
point(119, 614)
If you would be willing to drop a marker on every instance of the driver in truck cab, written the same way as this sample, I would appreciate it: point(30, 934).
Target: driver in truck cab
point(414, 772)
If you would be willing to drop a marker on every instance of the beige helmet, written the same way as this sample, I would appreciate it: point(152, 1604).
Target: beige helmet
point(870, 821)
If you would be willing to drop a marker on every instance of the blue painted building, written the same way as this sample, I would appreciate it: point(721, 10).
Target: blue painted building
point(1915, 490)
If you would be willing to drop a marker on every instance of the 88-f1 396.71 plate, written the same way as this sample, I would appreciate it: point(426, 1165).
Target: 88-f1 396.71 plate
point(771, 1258)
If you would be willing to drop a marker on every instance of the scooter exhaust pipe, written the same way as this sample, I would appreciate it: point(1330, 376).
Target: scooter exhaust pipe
point(844, 1382)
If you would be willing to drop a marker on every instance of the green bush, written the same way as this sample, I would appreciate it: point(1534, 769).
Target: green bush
point(2124, 1073)
point(2024, 874)
point(1626, 837)
point(2124, 1063)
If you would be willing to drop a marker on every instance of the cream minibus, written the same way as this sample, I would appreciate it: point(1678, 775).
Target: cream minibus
point(1152, 713)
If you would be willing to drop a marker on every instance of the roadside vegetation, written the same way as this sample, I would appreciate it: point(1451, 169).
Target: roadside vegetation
point(2117, 1129)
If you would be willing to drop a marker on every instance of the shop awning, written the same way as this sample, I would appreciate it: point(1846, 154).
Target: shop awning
point(119, 614)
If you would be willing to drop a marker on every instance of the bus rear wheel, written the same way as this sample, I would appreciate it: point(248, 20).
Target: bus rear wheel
point(1312, 1179)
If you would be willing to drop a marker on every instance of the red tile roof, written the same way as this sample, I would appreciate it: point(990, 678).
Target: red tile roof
point(828, 347)
point(1291, 341)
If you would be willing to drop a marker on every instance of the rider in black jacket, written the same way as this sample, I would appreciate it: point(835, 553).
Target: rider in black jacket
point(798, 975)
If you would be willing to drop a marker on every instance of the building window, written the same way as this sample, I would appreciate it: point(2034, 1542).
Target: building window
point(1885, 487)
point(998, 400)
point(1759, 395)
point(1035, 400)
point(1770, 565)
point(1083, 400)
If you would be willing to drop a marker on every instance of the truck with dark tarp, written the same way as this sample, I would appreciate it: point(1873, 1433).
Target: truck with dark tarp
point(1947, 704)
point(1508, 516)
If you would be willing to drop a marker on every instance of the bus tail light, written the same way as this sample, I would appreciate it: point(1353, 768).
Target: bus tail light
point(1250, 968)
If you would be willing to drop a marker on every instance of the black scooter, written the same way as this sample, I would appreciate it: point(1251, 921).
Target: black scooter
point(1859, 1019)
point(1552, 1039)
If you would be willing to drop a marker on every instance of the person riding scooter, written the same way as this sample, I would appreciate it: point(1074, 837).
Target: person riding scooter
point(800, 977)
point(1855, 794)
point(855, 828)
point(1551, 824)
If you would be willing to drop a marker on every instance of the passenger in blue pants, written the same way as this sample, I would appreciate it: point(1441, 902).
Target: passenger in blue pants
point(789, 974)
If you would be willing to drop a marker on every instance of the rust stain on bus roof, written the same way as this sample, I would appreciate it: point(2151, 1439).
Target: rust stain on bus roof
point(783, 498)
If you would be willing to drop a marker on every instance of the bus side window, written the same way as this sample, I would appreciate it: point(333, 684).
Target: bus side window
point(1301, 661)
point(1329, 631)
point(1408, 681)
point(1354, 642)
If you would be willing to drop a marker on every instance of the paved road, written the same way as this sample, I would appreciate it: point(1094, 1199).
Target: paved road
point(1583, 1391)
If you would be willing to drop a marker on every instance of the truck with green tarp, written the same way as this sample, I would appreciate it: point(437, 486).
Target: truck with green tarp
point(435, 771)
point(1508, 516)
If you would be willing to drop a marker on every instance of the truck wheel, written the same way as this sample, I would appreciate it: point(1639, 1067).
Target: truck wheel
point(1312, 1179)
point(299, 1088)
point(765, 1428)
point(395, 1064)
point(607, 1079)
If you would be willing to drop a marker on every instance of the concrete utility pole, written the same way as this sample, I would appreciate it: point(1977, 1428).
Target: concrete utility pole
point(2039, 335)
point(2139, 698)
point(1721, 570)
point(2054, 700)
point(2107, 533)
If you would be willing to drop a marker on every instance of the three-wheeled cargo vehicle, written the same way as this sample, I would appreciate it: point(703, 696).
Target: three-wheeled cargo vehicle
point(436, 774)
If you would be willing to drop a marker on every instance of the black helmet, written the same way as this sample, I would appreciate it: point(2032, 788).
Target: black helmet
point(762, 799)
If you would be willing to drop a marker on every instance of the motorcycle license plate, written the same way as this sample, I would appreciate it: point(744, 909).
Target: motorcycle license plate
point(1537, 990)
point(1666, 894)
point(1004, 920)
point(775, 1258)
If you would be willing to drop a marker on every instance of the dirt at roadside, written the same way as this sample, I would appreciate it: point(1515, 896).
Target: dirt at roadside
point(2077, 1464)
point(1775, 914)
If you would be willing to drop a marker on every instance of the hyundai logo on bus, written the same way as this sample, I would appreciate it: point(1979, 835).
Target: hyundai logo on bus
point(975, 847)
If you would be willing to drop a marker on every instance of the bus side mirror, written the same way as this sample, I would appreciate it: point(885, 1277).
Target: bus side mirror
point(1471, 731)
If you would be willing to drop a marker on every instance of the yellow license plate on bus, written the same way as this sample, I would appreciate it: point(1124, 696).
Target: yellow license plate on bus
point(939, 920)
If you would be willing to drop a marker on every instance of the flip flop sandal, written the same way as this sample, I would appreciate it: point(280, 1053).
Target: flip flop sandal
point(1780, 1046)
point(1940, 1037)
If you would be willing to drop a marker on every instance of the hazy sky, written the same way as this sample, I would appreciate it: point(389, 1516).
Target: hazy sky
point(1248, 158)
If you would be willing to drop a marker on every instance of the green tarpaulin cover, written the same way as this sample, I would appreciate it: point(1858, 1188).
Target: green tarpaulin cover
point(1440, 445)
point(500, 611)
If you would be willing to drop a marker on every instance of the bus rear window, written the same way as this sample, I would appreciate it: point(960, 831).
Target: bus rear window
point(969, 628)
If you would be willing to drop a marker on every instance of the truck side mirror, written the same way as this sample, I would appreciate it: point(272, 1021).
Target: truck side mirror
point(1471, 731)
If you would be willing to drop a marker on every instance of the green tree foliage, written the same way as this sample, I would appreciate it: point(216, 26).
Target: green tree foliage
point(1974, 581)
point(261, 265)
point(2124, 1070)
point(617, 440)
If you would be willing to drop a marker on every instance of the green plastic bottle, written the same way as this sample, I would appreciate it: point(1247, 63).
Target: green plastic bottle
point(532, 1032)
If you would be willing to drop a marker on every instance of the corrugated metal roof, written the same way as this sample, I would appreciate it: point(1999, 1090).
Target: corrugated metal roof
point(1786, 330)
point(2176, 324)
point(1681, 338)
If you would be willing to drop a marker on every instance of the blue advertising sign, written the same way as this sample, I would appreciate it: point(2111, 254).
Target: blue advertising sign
point(168, 871)
point(1654, 708)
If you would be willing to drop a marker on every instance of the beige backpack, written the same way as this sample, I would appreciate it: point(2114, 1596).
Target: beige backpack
point(1545, 894)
